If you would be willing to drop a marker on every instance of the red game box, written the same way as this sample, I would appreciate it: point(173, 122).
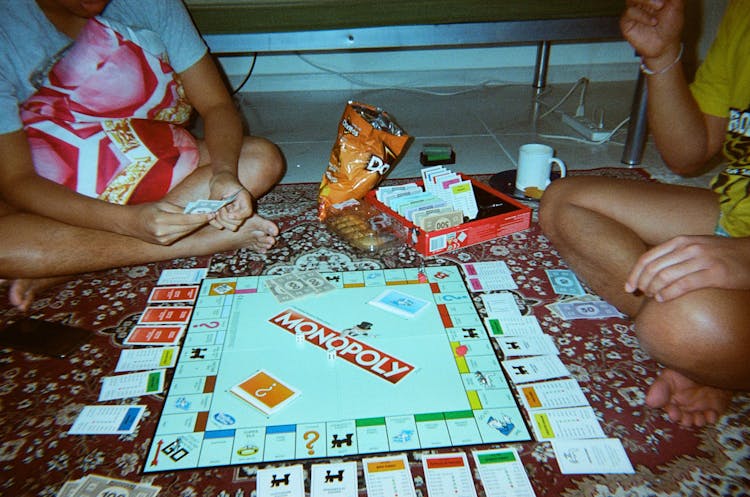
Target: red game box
point(499, 215)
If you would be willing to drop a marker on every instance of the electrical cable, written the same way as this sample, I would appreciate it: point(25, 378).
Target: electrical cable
point(484, 84)
point(562, 100)
point(581, 109)
point(247, 76)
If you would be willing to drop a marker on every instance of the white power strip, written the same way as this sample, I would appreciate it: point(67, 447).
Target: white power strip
point(586, 127)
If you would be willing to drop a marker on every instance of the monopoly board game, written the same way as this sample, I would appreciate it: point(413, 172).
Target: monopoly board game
point(388, 360)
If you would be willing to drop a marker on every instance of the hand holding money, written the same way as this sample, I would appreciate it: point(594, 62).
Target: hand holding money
point(222, 220)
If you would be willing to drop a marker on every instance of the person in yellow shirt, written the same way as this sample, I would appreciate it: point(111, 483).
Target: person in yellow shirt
point(676, 258)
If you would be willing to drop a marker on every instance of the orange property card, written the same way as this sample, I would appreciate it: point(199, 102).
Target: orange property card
point(166, 294)
point(154, 335)
point(166, 315)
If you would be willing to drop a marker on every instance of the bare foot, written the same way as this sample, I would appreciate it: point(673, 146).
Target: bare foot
point(256, 233)
point(685, 401)
point(262, 233)
point(23, 291)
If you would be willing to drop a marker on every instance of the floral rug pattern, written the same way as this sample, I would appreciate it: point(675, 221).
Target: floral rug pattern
point(40, 398)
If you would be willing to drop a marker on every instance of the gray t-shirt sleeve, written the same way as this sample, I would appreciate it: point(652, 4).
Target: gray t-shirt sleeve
point(9, 118)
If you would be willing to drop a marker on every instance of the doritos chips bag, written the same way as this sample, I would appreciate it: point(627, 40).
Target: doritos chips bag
point(368, 145)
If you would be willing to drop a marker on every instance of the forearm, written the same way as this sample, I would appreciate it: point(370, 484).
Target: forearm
point(37, 195)
point(675, 120)
point(223, 137)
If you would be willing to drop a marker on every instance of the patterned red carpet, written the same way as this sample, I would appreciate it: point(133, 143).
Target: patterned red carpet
point(40, 398)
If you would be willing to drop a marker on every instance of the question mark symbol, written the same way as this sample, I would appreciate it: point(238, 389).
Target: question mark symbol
point(261, 392)
point(314, 435)
point(210, 325)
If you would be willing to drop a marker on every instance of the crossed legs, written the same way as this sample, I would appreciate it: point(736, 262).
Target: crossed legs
point(601, 227)
point(39, 251)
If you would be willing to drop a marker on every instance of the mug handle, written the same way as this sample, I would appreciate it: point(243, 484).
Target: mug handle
point(560, 165)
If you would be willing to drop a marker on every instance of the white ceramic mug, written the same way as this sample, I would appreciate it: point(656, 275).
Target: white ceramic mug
point(535, 163)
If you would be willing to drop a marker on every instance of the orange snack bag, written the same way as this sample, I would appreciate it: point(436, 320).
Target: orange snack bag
point(368, 145)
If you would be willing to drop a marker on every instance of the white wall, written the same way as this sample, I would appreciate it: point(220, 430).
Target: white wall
point(610, 61)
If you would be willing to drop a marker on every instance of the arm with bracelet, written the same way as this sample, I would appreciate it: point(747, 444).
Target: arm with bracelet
point(685, 136)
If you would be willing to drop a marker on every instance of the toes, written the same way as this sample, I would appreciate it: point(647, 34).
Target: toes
point(692, 419)
point(658, 394)
point(21, 298)
point(699, 419)
point(675, 414)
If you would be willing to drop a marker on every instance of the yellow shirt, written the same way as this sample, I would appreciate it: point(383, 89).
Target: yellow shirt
point(722, 88)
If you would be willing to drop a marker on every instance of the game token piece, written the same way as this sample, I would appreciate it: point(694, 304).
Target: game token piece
point(461, 350)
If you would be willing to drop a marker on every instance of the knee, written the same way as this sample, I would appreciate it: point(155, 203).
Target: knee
point(264, 152)
point(707, 343)
point(556, 197)
point(261, 162)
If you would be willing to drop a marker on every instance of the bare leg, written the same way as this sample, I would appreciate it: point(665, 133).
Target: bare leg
point(601, 226)
point(703, 341)
point(37, 248)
